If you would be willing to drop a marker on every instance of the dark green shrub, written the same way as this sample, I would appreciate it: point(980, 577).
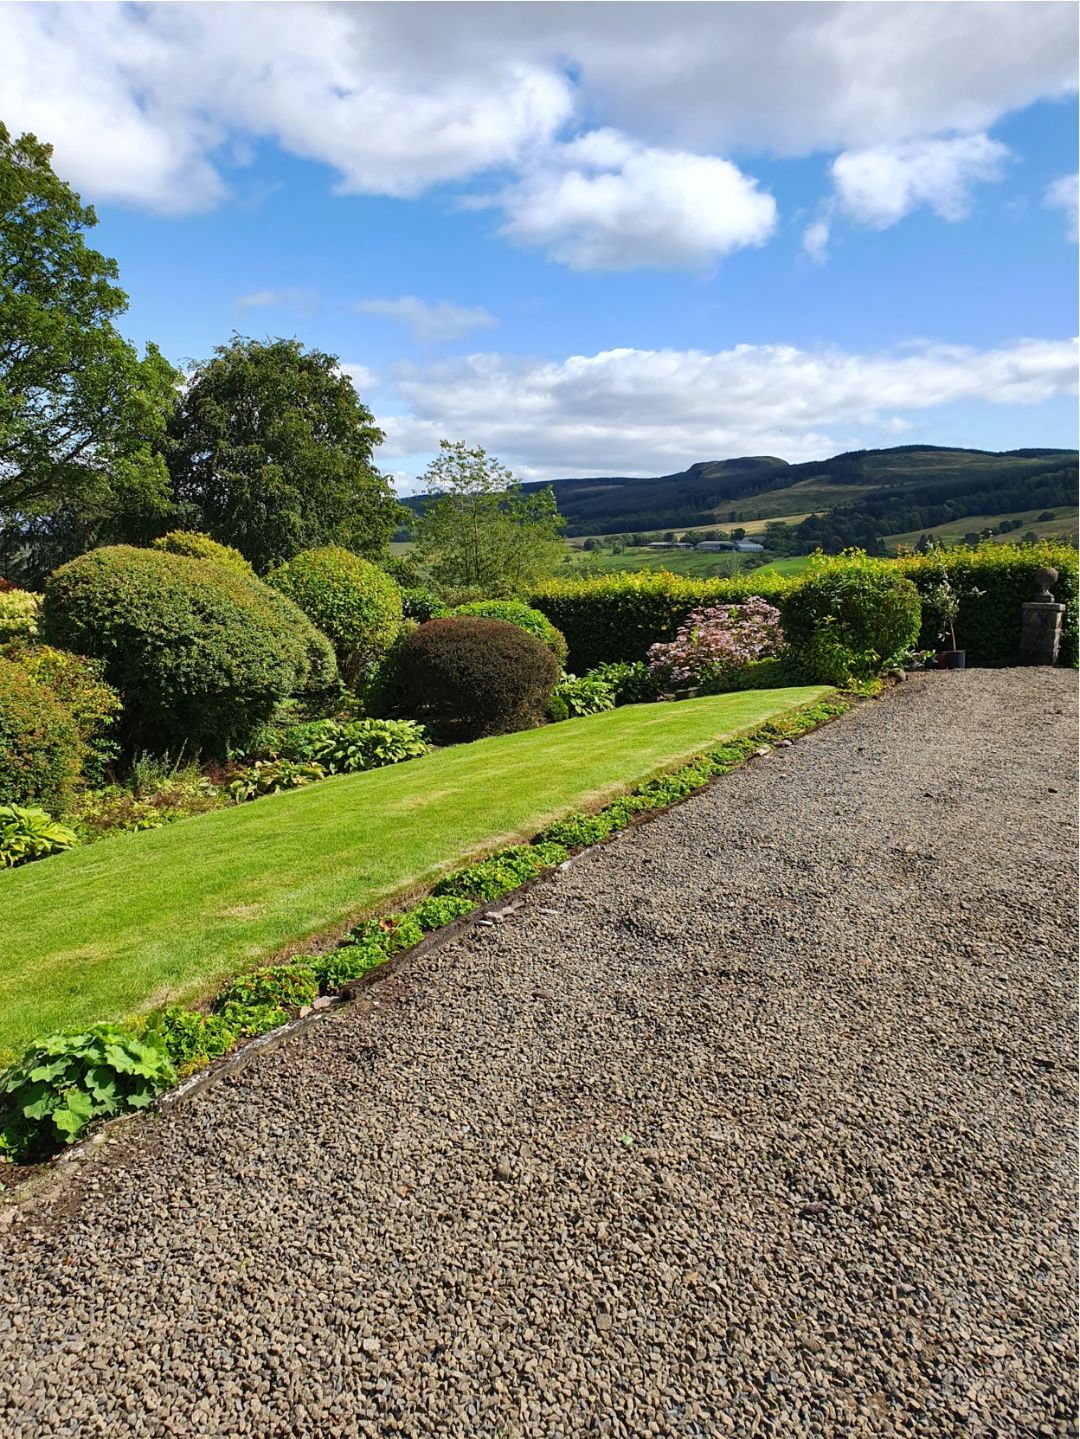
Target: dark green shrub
point(78, 683)
point(41, 751)
point(469, 677)
point(516, 612)
point(30, 833)
point(349, 599)
point(988, 625)
point(67, 1081)
point(850, 618)
point(197, 546)
point(200, 652)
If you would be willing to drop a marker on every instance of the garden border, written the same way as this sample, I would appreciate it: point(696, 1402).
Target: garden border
point(67, 1163)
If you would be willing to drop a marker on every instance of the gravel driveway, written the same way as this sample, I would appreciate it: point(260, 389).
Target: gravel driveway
point(757, 1121)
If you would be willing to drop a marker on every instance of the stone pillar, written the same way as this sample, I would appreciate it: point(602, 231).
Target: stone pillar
point(1040, 628)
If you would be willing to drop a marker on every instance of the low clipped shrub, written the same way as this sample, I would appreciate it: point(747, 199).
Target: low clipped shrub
point(18, 615)
point(516, 612)
point(585, 695)
point(851, 617)
point(714, 644)
point(197, 546)
point(28, 833)
point(80, 686)
point(345, 747)
point(41, 750)
point(200, 652)
point(353, 602)
point(467, 677)
point(63, 1084)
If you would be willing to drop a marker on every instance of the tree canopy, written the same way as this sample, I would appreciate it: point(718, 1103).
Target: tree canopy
point(271, 452)
point(479, 528)
point(82, 416)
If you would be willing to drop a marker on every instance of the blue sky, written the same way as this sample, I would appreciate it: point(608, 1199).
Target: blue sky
point(617, 239)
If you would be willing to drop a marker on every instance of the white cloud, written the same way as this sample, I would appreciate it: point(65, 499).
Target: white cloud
point(305, 301)
point(363, 379)
point(1064, 194)
point(146, 104)
point(430, 323)
point(602, 203)
point(816, 236)
point(655, 411)
point(879, 187)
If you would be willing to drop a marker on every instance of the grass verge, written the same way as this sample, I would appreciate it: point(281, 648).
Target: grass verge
point(129, 923)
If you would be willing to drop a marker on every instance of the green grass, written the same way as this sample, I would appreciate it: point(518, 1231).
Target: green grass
point(789, 565)
point(126, 924)
point(1063, 525)
point(698, 564)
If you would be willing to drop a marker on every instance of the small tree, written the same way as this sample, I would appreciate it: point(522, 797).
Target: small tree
point(480, 529)
point(271, 452)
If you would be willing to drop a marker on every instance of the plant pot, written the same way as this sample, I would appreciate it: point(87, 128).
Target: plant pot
point(951, 659)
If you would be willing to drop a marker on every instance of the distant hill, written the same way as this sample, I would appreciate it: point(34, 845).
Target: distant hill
point(864, 492)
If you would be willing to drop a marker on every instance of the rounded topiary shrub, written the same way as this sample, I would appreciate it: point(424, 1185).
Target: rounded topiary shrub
point(196, 546)
point(351, 600)
point(41, 751)
point(516, 612)
point(467, 677)
point(199, 651)
point(850, 618)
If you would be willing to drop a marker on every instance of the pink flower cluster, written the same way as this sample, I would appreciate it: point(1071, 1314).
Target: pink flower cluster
point(713, 642)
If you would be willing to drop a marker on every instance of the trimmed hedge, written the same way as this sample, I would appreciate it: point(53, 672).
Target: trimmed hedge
point(617, 617)
point(472, 677)
point(850, 618)
point(200, 652)
point(41, 750)
point(77, 683)
point(349, 599)
point(194, 545)
point(516, 612)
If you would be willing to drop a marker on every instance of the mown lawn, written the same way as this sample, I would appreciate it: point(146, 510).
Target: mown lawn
point(123, 925)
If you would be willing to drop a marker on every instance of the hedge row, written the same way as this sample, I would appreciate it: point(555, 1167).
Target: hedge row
point(618, 616)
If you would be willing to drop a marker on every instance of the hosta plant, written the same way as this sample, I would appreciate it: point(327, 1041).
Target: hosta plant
point(713, 643)
point(272, 777)
point(27, 832)
point(581, 695)
point(63, 1084)
point(345, 748)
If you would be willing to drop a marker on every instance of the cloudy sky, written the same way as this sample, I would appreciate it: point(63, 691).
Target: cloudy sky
point(598, 238)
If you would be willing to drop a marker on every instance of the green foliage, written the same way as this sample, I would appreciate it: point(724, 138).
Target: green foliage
point(78, 683)
point(618, 617)
point(346, 963)
point(478, 527)
point(417, 603)
point(502, 872)
point(41, 751)
point(287, 987)
point(516, 612)
point(192, 1039)
point(850, 617)
point(272, 776)
point(345, 748)
point(82, 417)
point(67, 1081)
point(18, 615)
point(200, 652)
point(155, 793)
point(631, 682)
point(28, 833)
point(988, 622)
point(470, 677)
point(348, 599)
point(588, 694)
point(439, 910)
point(394, 932)
point(196, 546)
point(271, 451)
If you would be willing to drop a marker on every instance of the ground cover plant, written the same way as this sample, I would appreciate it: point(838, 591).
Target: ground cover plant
point(260, 1000)
point(116, 927)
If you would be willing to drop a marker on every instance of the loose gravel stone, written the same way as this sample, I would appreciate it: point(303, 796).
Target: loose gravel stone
point(756, 1121)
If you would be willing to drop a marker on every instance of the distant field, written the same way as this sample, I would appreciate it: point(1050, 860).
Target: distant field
point(698, 564)
point(1064, 524)
point(789, 565)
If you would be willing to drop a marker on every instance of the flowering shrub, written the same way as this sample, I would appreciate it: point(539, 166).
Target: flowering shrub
point(711, 643)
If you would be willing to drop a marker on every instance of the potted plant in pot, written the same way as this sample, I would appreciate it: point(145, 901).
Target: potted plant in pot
point(944, 600)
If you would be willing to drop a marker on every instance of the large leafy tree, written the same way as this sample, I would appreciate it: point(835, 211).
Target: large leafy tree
point(82, 416)
point(479, 529)
point(271, 451)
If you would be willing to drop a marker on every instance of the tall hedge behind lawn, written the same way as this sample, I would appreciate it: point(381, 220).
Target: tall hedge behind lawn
point(200, 652)
point(618, 616)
